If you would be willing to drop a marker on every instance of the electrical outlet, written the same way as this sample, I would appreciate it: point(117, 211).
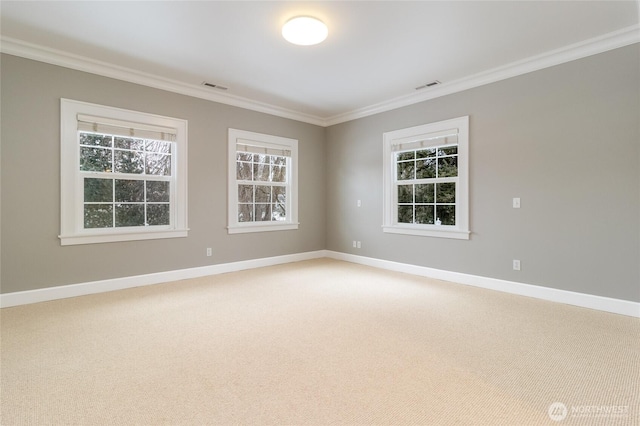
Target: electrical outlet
point(516, 265)
point(359, 203)
point(516, 203)
point(354, 244)
point(209, 251)
point(359, 244)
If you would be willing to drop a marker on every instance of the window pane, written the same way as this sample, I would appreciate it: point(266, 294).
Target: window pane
point(424, 153)
point(129, 143)
point(263, 194)
point(263, 212)
point(405, 214)
point(245, 193)
point(406, 170)
point(424, 215)
point(98, 215)
point(261, 158)
point(279, 212)
point(261, 172)
point(405, 156)
point(278, 160)
point(424, 193)
point(451, 150)
point(278, 174)
point(447, 166)
point(95, 140)
point(446, 214)
point(245, 212)
point(158, 165)
point(129, 190)
point(446, 192)
point(158, 214)
point(129, 215)
point(280, 200)
point(426, 169)
point(243, 171)
point(405, 193)
point(158, 191)
point(129, 162)
point(98, 190)
point(158, 146)
point(95, 159)
point(280, 194)
point(244, 156)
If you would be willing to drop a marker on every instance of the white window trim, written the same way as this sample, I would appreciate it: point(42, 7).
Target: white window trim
point(275, 142)
point(390, 225)
point(71, 191)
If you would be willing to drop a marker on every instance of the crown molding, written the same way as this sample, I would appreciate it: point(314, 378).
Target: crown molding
point(623, 37)
point(39, 53)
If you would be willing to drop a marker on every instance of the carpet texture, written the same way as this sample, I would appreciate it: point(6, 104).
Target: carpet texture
point(319, 342)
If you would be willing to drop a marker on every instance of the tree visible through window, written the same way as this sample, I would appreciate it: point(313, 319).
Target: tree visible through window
point(426, 180)
point(262, 187)
point(126, 181)
point(262, 182)
point(426, 195)
point(123, 174)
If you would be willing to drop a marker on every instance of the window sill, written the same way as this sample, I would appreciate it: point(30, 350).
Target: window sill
point(68, 240)
point(260, 227)
point(432, 231)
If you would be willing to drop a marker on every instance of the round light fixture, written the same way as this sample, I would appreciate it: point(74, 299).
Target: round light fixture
point(304, 31)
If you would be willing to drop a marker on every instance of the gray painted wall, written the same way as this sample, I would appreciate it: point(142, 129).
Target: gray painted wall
point(564, 139)
point(31, 253)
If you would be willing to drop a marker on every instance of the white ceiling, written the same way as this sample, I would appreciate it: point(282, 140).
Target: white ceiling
point(376, 51)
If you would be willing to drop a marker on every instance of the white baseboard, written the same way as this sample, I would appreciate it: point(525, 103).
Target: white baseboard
point(93, 287)
point(616, 306)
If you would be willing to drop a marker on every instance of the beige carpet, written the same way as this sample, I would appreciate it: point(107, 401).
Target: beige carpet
point(319, 342)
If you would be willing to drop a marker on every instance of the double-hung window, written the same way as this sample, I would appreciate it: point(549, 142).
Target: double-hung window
point(426, 180)
point(123, 175)
point(263, 172)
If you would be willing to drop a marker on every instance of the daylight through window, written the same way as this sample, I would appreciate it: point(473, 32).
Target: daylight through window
point(126, 181)
point(426, 180)
point(262, 182)
point(262, 187)
point(123, 174)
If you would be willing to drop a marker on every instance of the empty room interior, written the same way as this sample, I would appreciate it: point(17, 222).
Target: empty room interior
point(345, 213)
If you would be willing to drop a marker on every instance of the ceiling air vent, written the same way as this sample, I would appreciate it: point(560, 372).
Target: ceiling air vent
point(215, 86)
point(433, 83)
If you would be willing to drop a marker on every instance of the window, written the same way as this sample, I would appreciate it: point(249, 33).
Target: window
point(426, 180)
point(263, 190)
point(123, 175)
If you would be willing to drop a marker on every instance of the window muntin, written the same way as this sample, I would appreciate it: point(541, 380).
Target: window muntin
point(123, 175)
point(262, 182)
point(426, 180)
point(262, 187)
point(126, 181)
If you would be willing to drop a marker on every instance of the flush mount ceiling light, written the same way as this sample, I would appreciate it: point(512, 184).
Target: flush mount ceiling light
point(304, 31)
